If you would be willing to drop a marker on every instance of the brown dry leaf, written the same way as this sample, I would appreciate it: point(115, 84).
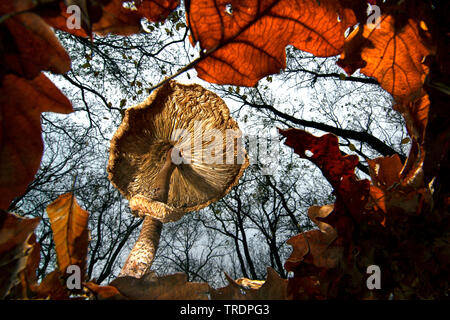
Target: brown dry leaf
point(29, 45)
point(52, 287)
point(119, 20)
point(243, 41)
point(27, 285)
point(415, 114)
point(104, 292)
point(385, 171)
point(273, 288)
point(15, 247)
point(315, 246)
point(392, 55)
point(21, 104)
point(70, 234)
point(151, 287)
point(55, 14)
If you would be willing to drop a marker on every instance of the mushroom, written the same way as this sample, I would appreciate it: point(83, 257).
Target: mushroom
point(174, 153)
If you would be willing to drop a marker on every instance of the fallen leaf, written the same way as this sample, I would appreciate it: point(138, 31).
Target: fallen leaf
point(21, 104)
point(104, 292)
point(52, 287)
point(70, 234)
point(151, 287)
point(273, 288)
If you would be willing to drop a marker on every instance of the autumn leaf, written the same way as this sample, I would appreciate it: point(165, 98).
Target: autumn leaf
point(27, 285)
point(314, 246)
point(70, 234)
point(244, 41)
point(60, 15)
point(21, 104)
point(151, 287)
point(15, 247)
point(104, 292)
point(52, 287)
point(29, 45)
point(119, 20)
point(273, 288)
point(392, 55)
point(324, 152)
point(385, 171)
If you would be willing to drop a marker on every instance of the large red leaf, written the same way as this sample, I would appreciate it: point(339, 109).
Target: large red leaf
point(21, 104)
point(243, 41)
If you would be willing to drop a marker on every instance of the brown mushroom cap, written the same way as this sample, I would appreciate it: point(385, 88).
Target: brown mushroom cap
point(176, 116)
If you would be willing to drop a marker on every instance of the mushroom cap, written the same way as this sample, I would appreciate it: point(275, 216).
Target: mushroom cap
point(197, 124)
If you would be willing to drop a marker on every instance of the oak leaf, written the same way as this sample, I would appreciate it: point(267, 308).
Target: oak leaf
point(70, 234)
point(21, 104)
point(393, 55)
point(243, 41)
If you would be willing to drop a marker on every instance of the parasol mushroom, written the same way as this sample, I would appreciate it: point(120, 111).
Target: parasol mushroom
point(174, 153)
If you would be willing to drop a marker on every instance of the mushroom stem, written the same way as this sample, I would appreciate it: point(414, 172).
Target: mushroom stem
point(141, 256)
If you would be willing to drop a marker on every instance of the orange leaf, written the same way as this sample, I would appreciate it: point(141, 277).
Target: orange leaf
point(415, 114)
point(15, 233)
point(243, 41)
point(385, 171)
point(123, 21)
point(21, 104)
point(29, 44)
point(390, 54)
point(70, 234)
